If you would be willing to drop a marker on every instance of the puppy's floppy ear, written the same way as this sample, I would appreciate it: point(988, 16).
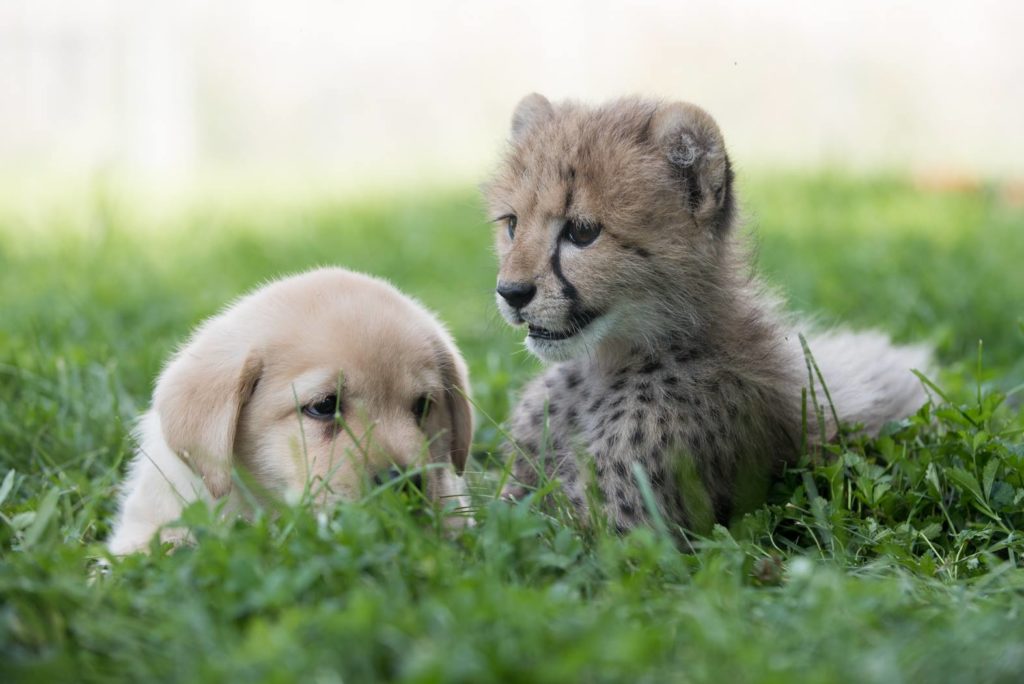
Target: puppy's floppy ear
point(693, 145)
point(455, 377)
point(531, 110)
point(199, 397)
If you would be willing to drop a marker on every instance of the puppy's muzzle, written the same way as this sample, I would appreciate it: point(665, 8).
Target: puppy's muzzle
point(404, 481)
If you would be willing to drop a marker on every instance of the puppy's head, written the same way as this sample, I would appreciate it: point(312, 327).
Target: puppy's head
point(325, 380)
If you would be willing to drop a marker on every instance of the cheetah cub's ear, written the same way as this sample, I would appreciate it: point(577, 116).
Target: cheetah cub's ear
point(531, 110)
point(691, 141)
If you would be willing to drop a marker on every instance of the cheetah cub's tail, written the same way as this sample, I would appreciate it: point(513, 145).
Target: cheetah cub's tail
point(868, 377)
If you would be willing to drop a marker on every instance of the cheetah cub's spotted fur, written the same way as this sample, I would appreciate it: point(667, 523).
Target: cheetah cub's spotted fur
point(618, 251)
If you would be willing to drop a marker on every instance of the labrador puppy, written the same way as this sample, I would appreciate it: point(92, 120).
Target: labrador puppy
point(315, 385)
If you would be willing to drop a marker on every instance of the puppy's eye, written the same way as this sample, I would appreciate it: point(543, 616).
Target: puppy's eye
point(421, 407)
point(510, 223)
point(323, 409)
point(581, 233)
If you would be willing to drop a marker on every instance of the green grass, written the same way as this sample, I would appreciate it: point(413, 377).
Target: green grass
point(887, 560)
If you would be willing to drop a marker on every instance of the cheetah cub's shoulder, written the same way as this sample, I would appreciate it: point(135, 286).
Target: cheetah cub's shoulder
point(617, 250)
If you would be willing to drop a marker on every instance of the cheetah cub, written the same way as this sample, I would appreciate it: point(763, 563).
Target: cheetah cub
point(618, 251)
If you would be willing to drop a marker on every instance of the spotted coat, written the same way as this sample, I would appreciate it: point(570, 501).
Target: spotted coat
point(689, 422)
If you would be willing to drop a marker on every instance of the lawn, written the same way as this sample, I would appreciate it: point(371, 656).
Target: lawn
point(887, 560)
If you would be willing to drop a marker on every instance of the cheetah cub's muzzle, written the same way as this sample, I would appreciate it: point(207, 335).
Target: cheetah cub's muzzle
point(557, 330)
point(540, 284)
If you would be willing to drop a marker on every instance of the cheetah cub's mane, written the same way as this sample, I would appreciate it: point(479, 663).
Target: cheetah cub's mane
point(618, 252)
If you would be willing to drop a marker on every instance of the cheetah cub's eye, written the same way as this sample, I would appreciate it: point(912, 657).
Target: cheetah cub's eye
point(581, 233)
point(510, 222)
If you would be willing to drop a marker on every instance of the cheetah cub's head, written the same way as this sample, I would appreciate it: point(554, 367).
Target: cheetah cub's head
point(611, 223)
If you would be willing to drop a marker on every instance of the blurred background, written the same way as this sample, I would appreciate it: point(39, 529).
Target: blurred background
point(358, 94)
point(157, 157)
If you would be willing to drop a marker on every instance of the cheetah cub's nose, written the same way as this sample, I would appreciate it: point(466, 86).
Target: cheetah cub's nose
point(517, 295)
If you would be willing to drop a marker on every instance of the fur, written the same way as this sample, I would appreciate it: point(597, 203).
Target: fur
point(682, 362)
point(236, 396)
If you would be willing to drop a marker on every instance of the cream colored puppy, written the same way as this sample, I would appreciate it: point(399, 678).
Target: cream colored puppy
point(316, 383)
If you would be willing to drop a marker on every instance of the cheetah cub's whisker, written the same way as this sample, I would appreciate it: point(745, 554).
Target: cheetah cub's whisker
point(618, 253)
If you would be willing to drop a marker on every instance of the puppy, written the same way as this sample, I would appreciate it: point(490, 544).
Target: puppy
point(317, 383)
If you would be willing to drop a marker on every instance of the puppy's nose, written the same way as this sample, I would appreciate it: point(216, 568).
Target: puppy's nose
point(414, 481)
point(517, 295)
